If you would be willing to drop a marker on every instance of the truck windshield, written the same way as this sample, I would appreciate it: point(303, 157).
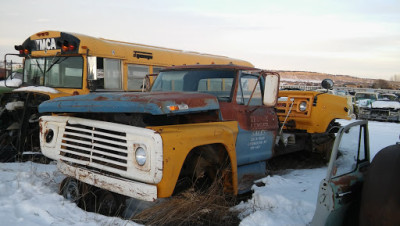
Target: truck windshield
point(364, 96)
point(216, 82)
point(55, 72)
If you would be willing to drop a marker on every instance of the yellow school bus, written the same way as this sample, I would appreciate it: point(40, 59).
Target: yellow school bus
point(60, 64)
point(74, 63)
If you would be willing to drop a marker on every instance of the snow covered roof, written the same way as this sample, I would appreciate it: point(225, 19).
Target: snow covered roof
point(386, 104)
point(37, 89)
point(11, 82)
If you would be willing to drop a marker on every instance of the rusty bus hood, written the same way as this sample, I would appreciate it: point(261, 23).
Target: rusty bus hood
point(156, 103)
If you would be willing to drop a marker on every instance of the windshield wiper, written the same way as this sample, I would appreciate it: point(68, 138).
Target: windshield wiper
point(37, 63)
point(41, 70)
point(58, 61)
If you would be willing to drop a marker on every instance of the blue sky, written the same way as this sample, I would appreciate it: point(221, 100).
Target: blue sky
point(353, 37)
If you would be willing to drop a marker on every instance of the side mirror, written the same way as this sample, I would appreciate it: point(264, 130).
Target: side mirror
point(327, 83)
point(92, 67)
point(146, 84)
point(92, 73)
point(9, 75)
point(271, 89)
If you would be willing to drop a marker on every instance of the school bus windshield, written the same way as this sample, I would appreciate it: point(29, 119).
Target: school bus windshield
point(55, 72)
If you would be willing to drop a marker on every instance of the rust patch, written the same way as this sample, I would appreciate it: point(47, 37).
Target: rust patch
point(345, 180)
point(40, 127)
point(161, 98)
point(101, 98)
point(250, 117)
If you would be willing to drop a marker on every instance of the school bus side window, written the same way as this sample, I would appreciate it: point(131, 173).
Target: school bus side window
point(112, 74)
point(136, 76)
point(109, 74)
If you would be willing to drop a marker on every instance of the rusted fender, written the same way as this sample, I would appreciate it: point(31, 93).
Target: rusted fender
point(157, 103)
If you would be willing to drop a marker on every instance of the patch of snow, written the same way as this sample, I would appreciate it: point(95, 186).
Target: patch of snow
point(37, 89)
point(15, 82)
point(386, 104)
point(29, 196)
point(11, 106)
point(300, 80)
point(287, 199)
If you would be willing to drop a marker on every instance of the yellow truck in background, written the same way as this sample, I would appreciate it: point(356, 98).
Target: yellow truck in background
point(311, 116)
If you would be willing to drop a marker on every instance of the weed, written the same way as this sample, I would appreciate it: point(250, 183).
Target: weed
point(191, 207)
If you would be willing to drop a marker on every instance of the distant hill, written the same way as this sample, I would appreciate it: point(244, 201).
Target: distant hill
point(315, 78)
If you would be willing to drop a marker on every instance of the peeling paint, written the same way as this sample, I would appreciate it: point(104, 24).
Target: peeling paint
point(156, 103)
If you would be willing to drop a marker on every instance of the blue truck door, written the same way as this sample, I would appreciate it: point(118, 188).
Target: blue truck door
point(340, 192)
point(258, 125)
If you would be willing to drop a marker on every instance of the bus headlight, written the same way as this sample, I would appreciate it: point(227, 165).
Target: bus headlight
point(140, 155)
point(303, 106)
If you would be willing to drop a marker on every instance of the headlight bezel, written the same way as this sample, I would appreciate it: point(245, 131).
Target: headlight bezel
point(49, 136)
point(303, 106)
point(47, 130)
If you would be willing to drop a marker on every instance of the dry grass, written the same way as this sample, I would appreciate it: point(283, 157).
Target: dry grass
point(192, 207)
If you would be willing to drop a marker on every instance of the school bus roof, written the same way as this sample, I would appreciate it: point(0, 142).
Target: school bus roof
point(132, 52)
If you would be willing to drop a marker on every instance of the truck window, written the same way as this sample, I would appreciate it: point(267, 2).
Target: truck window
point(352, 150)
point(169, 81)
point(220, 87)
point(218, 83)
point(245, 89)
point(363, 96)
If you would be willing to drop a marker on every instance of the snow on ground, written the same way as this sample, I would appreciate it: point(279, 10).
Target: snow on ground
point(287, 199)
point(297, 80)
point(290, 198)
point(28, 196)
point(29, 193)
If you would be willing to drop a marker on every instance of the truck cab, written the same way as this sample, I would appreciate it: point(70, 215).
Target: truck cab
point(201, 122)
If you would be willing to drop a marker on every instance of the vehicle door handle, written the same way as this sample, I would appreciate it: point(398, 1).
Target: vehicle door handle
point(340, 195)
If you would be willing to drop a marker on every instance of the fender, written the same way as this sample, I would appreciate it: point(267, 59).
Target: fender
point(178, 141)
